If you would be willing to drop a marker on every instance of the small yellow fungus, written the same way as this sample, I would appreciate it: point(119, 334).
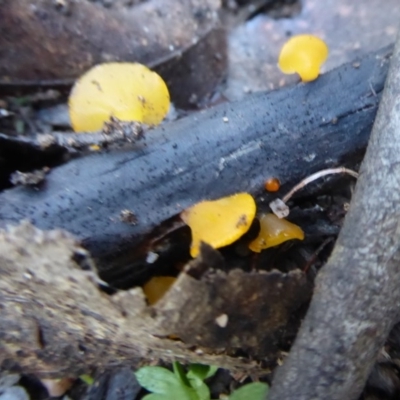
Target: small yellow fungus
point(219, 222)
point(303, 54)
point(156, 287)
point(126, 91)
point(274, 231)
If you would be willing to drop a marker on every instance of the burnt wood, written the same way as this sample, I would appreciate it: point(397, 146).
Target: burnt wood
point(233, 147)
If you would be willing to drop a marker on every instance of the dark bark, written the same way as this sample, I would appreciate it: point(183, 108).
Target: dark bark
point(233, 147)
point(18, 154)
point(356, 299)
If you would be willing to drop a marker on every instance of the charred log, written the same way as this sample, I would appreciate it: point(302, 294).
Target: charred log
point(233, 147)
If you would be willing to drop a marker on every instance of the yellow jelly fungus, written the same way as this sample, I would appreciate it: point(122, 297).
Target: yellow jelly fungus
point(126, 91)
point(274, 231)
point(303, 54)
point(156, 287)
point(219, 222)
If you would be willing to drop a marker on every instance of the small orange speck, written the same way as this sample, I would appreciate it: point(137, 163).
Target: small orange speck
point(272, 185)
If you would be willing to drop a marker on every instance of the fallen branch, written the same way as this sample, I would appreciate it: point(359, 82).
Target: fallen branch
point(356, 299)
point(288, 134)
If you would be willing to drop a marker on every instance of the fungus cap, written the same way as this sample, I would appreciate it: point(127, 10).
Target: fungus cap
point(274, 231)
point(126, 91)
point(219, 222)
point(303, 54)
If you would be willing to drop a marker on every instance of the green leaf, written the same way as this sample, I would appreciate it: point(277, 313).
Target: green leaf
point(156, 379)
point(180, 373)
point(164, 384)
point(155, 396)
point(253, 391)
point(193, 381)
point(87, 379)
point(212, 369)
point(201, 389)
point(201, 371)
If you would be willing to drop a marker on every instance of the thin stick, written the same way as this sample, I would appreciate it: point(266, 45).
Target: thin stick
point(316, 253)
point(317, 175)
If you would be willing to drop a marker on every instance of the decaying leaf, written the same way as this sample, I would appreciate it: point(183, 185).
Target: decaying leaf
point(55, 320)
point(255, 306)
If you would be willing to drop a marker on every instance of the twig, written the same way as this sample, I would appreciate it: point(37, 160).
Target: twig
point(316, 253)
point(279, 207)
point(317, 175)
point(112, 132)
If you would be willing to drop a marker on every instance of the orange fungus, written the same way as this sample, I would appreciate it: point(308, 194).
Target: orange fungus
point(272, 185)
point(274, 231)
point(219, 222)
point(303, 54)
point(126, 91)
